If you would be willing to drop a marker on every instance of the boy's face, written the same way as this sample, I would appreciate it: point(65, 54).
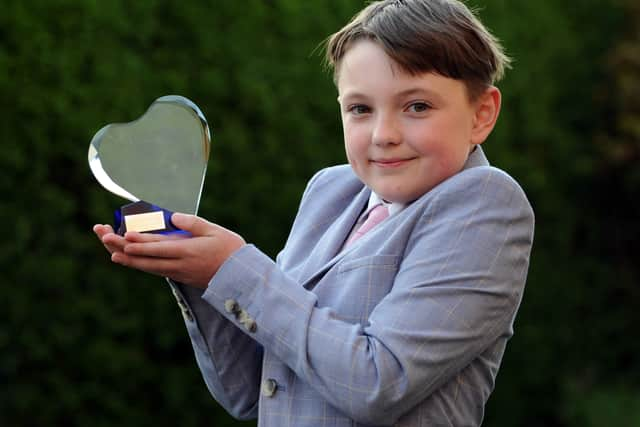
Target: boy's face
point(404, 134)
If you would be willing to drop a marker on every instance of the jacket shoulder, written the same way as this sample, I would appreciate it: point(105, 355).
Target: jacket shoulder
point(481, 187)
point(480, 177)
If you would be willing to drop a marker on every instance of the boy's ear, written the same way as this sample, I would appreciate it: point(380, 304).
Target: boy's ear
point(487, 109)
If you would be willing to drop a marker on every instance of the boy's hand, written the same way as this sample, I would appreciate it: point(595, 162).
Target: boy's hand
point(189, 260)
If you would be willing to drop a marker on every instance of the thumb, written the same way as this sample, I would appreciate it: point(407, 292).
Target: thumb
point(193, 224)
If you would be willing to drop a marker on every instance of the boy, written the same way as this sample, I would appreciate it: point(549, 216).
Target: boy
point(401, 323)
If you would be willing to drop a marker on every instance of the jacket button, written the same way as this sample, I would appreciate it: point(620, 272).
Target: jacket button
point(269, 387)
point(251, 325)
point(231, 306)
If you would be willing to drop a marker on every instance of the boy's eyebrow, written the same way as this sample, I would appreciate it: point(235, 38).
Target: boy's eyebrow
point(402, 94)
point(351, 94)
point(419, 91)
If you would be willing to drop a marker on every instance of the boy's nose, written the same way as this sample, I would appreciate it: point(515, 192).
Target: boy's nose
point(386, 131)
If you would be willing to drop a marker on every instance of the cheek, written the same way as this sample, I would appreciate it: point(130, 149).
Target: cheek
point(450, 139)
point(355, 141)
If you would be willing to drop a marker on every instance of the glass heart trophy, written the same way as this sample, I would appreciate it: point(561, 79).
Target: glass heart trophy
point(158, 162)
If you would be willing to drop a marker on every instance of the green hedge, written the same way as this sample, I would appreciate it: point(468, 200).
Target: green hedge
point(84, 342)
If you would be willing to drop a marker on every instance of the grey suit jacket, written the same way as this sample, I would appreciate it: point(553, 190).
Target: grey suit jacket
point(405, 327)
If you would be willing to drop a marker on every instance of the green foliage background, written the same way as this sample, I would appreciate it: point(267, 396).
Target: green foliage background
point(84, 342)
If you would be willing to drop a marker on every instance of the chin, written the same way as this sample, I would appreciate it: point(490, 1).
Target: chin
point(397, 192)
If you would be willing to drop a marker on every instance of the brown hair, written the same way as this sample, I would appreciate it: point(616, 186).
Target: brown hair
point(441, 36)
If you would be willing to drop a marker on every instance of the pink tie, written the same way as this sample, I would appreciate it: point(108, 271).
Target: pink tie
point(376, 216)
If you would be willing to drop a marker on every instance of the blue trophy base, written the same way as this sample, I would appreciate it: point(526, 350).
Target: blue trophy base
point(144, 217)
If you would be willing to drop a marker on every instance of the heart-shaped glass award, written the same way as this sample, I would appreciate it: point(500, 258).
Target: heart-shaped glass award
point(158, 162)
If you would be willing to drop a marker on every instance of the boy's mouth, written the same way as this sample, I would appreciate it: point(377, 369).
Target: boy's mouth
point(390, 163)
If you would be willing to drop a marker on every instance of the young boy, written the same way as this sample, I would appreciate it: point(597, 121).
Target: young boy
point(402, 323)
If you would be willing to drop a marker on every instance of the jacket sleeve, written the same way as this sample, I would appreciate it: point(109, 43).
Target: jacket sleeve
point(457, 290)
point(230, 360)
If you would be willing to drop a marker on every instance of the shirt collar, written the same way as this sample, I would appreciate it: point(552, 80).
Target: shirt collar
point(393, 207)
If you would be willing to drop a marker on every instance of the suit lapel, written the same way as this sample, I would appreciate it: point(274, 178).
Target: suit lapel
point(327, 252)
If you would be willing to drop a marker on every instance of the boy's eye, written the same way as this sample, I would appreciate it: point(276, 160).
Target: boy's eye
point(359, 109)
point(419, 107)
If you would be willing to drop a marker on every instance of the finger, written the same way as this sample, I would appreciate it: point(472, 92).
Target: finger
point(193, 224)
point(101, 230)
point(113, 242)
point(158, 249)
point(159, 266)
point(135, 237)
point(110, 241)
point(114, 239)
